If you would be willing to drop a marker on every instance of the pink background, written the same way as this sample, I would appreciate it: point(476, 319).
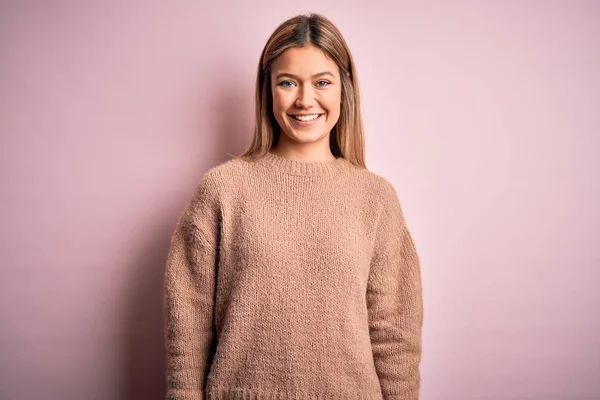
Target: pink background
point(484, 115)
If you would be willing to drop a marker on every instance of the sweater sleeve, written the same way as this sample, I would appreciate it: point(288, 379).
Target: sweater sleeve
point(189, 287)
point(394, 300)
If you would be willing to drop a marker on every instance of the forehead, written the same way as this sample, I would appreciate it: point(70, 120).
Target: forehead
point(304, 61)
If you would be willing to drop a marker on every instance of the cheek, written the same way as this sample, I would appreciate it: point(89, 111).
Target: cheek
point(280, 103)
point(275, 100)
point(333, 102)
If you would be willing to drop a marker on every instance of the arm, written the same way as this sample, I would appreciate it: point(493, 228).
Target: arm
point(188, 295)
point(394, 300)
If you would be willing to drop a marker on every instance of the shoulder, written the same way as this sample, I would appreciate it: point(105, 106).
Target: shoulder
point(220, 173)
point(221, 178)
point(381, 188)
point(382, 195)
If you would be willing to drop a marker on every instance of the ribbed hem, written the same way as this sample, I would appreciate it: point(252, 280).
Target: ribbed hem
point(225, 393)
point(184, 394)
point(304, 168)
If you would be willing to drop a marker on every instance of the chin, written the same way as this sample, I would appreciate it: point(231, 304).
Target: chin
point(306, 137)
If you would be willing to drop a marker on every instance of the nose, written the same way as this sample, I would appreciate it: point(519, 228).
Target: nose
point(306, 96)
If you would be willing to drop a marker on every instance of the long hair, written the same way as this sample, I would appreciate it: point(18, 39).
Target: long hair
point(347, 136)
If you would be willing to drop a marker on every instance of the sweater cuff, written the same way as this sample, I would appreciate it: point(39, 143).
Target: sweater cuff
point(185, 394)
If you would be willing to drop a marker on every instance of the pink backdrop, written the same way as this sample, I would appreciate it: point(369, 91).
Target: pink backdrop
point(484, 115)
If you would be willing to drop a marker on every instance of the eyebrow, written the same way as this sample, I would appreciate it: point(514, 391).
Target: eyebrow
point(298, 78)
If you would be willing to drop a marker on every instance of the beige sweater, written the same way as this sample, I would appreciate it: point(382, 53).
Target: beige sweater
point(292, 280)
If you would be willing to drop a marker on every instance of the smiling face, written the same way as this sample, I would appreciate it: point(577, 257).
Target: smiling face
point(307, 92)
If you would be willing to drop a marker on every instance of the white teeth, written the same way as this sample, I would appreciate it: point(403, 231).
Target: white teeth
point(306, 117)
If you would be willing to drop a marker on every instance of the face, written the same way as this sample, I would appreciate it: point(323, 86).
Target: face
point(307, 91)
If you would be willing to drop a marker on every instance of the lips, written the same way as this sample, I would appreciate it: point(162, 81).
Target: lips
point(305, 117)
point(306, 120)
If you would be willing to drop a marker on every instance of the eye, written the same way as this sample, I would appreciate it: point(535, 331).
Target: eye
point(286, 84)
point(322, 83)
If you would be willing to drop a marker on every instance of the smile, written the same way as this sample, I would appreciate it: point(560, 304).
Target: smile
point(306, 118)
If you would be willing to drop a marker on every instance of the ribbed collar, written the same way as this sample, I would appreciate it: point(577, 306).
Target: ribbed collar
point(305, 168)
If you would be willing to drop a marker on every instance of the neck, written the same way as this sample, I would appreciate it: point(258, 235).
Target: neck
point(330, 166)
point(304, 153)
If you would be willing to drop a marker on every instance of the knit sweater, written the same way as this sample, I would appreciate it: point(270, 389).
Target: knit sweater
point(289, 280)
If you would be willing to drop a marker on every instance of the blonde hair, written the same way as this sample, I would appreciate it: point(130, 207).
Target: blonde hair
point(347, 136)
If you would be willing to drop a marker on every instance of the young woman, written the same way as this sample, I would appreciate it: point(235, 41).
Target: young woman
point(291, 273)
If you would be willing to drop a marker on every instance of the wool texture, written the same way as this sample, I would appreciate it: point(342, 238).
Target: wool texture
point(289, 280)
